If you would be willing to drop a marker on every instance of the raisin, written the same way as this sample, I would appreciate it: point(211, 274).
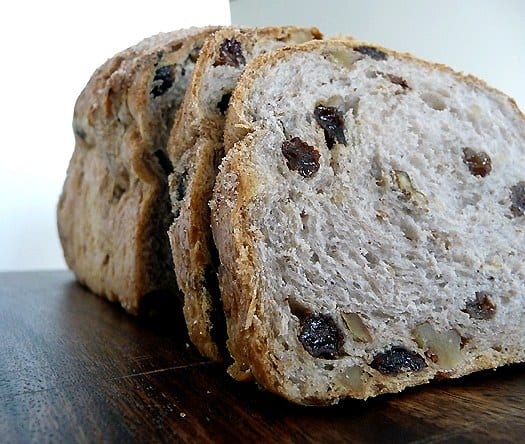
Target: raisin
point(301, 157)
point(321, 337)
point(478, 162)
point(481, 307)
point(230, 53)
point(223, 104)
point(332, 122)
point(397, 80)
point(162, 80)
point(517, 197)
point(397, 360)
point(370, 51)
point(164, 162)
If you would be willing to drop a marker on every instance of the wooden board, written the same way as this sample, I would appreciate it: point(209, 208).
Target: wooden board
point(76, 368)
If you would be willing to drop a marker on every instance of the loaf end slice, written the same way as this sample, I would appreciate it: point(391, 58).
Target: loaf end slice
point(114, 210)
point(195, 149)
point(369, 217)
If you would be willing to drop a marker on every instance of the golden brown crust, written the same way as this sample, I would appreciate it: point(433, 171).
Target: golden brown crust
point(195, 148)
point(113, 208)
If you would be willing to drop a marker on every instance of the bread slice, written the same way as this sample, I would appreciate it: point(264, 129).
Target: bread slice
point(195, 148)
point(369, 217)
point(114, 210)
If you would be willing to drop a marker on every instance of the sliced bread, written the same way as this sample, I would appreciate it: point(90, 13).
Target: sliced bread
point(114, 210)
point(195, 149)
point(370, 221)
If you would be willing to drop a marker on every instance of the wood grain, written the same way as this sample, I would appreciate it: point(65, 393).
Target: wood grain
point(75, 368)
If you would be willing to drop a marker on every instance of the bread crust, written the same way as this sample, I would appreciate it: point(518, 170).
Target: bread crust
point(235, 237)
point(114, 208)
point(195, 148)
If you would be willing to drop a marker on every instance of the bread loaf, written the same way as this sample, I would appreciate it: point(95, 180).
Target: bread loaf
point(195, 148)
point(369, 217)
point(114, 210)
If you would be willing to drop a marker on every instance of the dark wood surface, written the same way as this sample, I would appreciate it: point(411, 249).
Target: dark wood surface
point(75, 368)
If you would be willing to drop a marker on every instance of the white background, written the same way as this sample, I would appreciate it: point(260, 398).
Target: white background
point(50, 49)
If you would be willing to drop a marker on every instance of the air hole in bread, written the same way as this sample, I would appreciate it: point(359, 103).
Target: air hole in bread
point(298, 310)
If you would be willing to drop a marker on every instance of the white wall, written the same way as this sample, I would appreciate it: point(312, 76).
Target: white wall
point(483, 37)
point(49, 49)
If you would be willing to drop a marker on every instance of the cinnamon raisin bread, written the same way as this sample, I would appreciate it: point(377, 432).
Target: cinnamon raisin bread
point(370, 217)
point(195, 148)
point(114, 210)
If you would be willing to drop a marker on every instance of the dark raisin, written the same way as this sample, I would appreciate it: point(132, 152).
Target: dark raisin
point(481, 307)
point(332, 122)
point(370, 51)
point(517, 197)
point(181, 186)
point(478, 162)
point(321, 337)
point(397, 360)
point(397, 80)
point(230, 53)
point(223, 104)
point(301, 157)
point(162, 80)
point(164, 162)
